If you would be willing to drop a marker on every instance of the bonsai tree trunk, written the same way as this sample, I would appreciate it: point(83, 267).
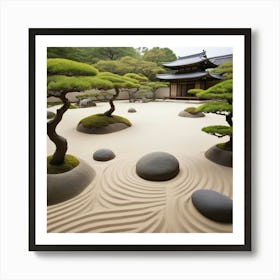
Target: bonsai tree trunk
point(132, 96)
point(112, 106)
point(59, 141)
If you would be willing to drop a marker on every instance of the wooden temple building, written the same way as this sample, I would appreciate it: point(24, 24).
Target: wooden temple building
point(191, 72)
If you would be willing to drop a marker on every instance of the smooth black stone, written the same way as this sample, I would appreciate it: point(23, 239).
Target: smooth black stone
point(157, 166)
point(131, 110)
point(103, 155)
point(213, 205)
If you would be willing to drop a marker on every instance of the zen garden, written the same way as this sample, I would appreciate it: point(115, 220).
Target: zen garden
point(139, 140)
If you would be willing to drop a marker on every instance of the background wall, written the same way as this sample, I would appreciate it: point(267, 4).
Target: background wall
point(17, 262)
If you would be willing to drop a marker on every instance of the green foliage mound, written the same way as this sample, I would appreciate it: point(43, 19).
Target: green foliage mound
point(69, 163)
point(218, 130)
point(100, 120)
point(191, 110)
point(225, 70)
point(118, 81)
point(59, 83)
point(194, 91)
point(139, 78)
point(67, 67)
point(215, 107)
point(222, 90)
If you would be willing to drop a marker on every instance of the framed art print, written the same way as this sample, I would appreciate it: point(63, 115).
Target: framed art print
point(140, 139)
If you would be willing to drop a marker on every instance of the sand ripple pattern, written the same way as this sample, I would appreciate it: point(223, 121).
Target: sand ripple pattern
point(118, 200)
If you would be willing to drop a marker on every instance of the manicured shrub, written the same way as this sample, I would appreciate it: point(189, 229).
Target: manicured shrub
point(191, 110)
point(218, 130)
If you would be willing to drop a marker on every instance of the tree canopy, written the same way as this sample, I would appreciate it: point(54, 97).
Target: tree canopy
point(60, 66)
point(159, 55)
point(91, 55)
point(129, 64)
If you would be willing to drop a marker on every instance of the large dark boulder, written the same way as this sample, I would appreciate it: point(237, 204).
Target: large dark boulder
point(157, 166)
point(213, 205)
point(103, 155)
point(219, 156)
point(64, 186)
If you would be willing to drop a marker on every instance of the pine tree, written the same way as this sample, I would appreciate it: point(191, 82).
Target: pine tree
point(221, 93)
point(66, 76)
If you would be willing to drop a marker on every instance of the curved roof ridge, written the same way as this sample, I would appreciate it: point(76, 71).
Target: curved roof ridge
point(221, 56)
point(203, 53)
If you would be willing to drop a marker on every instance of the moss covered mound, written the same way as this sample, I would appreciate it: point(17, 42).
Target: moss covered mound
point(190, 112)
point(70, 162)
point(64, 186)
point(224, 146)
point(101, 124)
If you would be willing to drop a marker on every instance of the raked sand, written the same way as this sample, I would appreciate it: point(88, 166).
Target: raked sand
point(118, 200)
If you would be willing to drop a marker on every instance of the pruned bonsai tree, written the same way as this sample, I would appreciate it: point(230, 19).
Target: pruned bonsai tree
point(145, 86)
point(221, 94)
point(119, 82)
point(107, 122)
point(154, 86)
point(66, 76)
point(141, 79)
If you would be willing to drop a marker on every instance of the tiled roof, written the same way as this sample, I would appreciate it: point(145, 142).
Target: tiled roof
point(182, 76)
point(220, 59)
point(198, 58)
point(186, 60)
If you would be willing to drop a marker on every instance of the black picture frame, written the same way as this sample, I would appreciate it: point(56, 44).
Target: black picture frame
point(34, 33)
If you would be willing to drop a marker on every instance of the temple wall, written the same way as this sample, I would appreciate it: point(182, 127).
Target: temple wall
point(161, 93)
point(173, 90)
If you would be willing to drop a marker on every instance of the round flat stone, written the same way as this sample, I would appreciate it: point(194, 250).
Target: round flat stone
point(157, 166)
point(103, 155)
point(131, 110)
point(213, 205)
